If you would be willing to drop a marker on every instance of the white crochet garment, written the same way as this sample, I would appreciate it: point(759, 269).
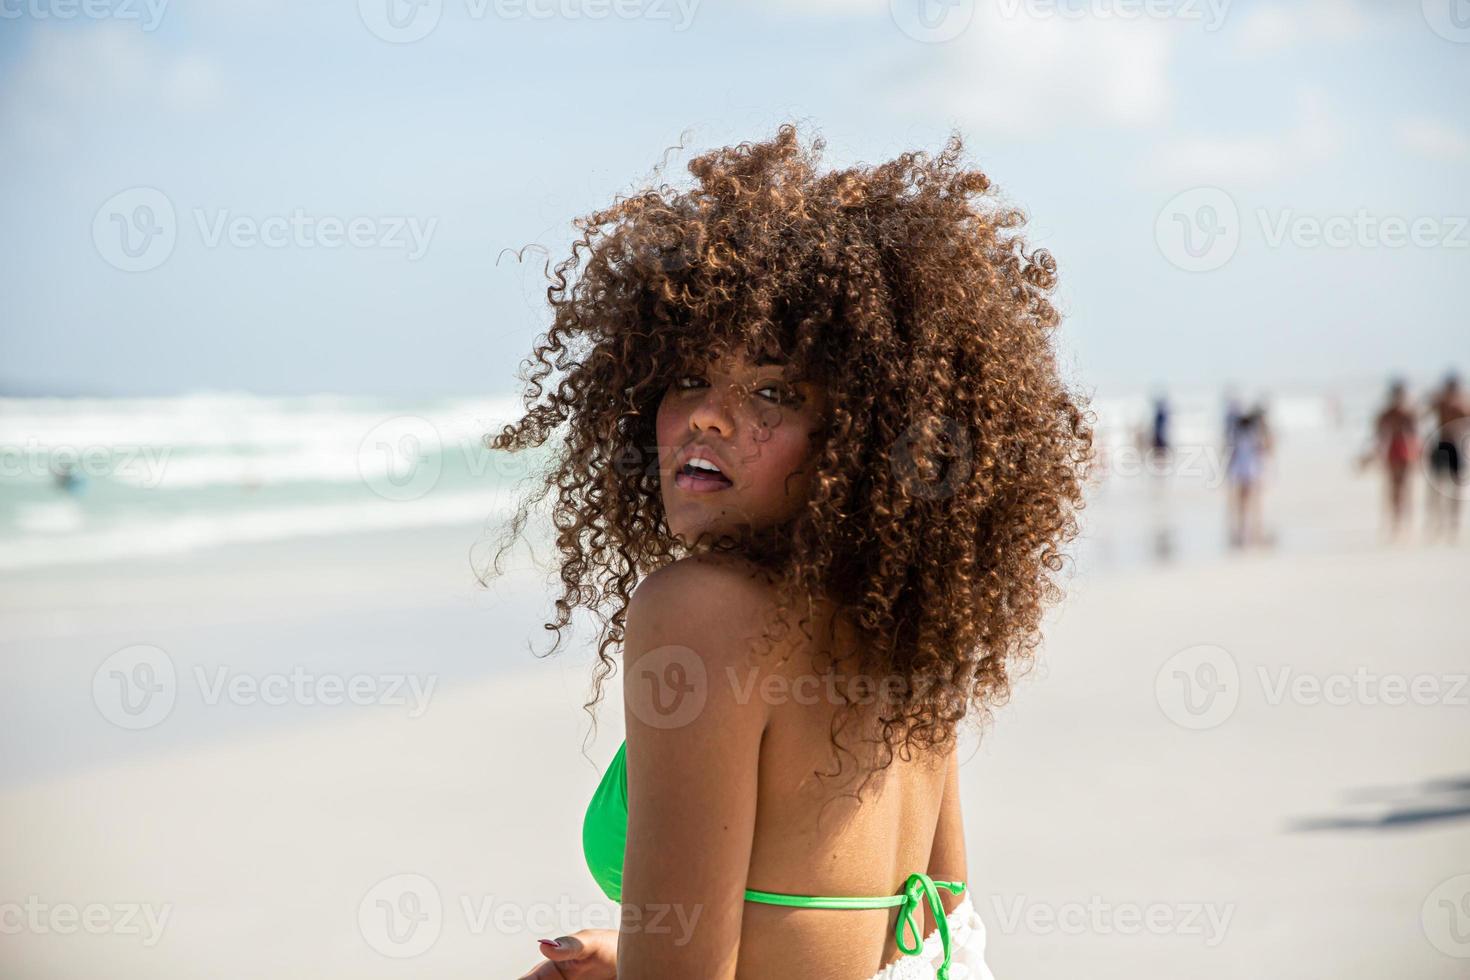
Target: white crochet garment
point(967, 951)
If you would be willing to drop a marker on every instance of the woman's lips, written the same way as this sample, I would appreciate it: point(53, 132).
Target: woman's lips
point(700, 482)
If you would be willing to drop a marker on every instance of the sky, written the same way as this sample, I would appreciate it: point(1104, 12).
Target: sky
point(313, 197)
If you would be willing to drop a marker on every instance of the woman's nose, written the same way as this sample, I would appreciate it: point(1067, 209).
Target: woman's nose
point(713, 412)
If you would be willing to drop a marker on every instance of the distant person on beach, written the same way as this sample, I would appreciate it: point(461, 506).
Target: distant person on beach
point(1159, 436)
point(1396, 446)
point(1249, 444)
point(1233, 412)
point(66, 479)
point(815, 460)
point(1450, 410)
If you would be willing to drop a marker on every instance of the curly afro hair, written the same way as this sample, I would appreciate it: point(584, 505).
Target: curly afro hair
point(953, 457)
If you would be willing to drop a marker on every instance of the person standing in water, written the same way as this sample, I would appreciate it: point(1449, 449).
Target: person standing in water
point(1451, 412)
point(1396, 443)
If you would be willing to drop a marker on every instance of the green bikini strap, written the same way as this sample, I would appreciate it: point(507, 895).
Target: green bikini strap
point(918, 887)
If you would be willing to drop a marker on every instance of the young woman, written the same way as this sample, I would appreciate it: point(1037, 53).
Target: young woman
point(818, 465)
point(1396, 444)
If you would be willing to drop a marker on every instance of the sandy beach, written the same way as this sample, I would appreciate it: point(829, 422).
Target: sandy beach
point(1224, 765)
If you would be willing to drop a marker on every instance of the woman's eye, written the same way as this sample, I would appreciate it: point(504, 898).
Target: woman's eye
point(782, 394)
point(772, 391)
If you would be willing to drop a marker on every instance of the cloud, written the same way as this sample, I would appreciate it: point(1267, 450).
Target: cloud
point(67, 81)
point(1253, 159)
point(1018, 67)
point(1017, 73)
point(1280, 27)
point(1433, 138)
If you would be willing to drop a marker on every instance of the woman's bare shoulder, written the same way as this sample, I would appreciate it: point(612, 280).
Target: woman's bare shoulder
point(707, 580)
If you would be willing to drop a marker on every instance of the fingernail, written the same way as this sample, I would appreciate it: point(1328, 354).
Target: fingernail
point(549, 942)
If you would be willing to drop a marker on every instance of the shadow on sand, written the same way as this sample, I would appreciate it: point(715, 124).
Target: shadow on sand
point(1436, 801)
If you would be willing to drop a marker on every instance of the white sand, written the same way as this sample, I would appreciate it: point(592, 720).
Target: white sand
point(1105, 840)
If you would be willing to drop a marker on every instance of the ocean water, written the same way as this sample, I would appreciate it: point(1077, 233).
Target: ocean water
point(88, 480)
point(98, 480)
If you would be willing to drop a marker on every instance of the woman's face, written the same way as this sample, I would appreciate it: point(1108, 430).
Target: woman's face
point(755, 425)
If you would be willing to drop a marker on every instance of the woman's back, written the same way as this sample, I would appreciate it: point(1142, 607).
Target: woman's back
point(814, 837)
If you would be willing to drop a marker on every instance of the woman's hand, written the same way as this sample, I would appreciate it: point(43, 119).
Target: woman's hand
point(588, 954)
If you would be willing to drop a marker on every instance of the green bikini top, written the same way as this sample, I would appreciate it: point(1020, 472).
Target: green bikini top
point(605, 834)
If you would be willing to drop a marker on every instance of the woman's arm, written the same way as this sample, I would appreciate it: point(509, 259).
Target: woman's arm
point(947, 855)
point(693, 753)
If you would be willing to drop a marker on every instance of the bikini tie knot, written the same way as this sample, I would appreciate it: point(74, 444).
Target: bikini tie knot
point(916, 890)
